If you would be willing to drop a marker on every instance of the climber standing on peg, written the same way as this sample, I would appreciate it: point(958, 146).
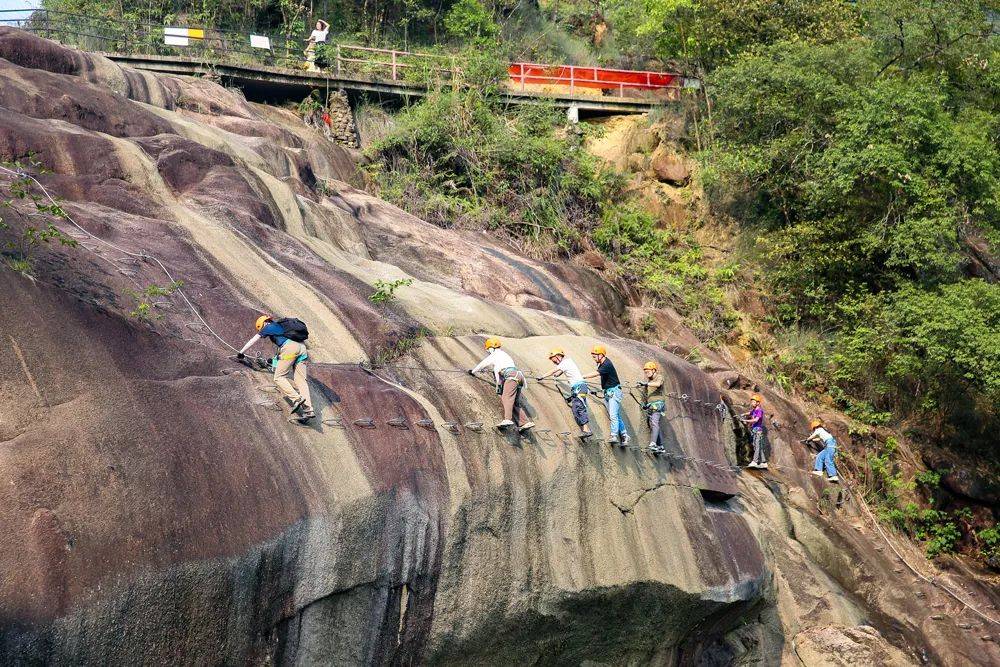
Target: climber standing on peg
point(509, 382)
point(653, 402)
point(754, 418)
point(289, 335)
point(612, 387)
point(577, 386)
point(822, 437)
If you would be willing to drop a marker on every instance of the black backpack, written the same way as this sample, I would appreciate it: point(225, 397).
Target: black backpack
point(293, 329)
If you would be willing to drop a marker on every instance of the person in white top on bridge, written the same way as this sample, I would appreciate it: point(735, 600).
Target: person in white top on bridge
point(317, 36)
point(509, 381)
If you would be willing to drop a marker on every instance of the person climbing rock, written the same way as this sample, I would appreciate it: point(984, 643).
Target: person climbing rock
point(653, 403)
point(822, 437)
point(612, 388)
point(316, 37)
point(754, 418)
point(509, 382)
point(577, 386)
point(289, 335)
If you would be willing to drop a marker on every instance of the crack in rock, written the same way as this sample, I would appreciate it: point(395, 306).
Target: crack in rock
point(630, 507)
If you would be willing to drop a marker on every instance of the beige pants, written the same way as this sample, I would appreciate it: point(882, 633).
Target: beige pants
point(511, 398)
point(287, 366)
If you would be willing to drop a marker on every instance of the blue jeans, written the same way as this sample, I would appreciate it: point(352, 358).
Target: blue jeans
point(825, 458)
point(613, 399)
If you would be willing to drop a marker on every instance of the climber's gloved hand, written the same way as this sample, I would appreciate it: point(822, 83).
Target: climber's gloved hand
point(471, 372)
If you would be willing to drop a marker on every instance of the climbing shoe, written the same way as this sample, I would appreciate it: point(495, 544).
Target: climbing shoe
point(505, 423)
point(297, 404)
point(818, 473)
point(527, 426)
point(833, 479)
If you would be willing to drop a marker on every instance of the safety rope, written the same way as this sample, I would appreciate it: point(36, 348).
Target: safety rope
point(141, 255)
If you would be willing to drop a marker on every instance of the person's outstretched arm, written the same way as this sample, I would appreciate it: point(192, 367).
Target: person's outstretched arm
point(250, 343)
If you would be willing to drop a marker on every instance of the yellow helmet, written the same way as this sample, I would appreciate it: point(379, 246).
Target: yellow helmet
point(756, 397)
point(650, 366)
point(261, 321)
point(598, 349)
point(491, 343)
point(816, 423)
point(556, 352)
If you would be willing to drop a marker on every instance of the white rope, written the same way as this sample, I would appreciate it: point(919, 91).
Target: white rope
point(142, 254)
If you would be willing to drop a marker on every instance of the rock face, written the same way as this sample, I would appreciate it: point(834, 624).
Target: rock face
point(158, 508)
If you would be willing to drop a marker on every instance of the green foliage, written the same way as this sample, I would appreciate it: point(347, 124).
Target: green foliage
point(146, 300)
point(862, 168)
point(385, 291)
point(26, 237)
point(470, 20)
point(989, 545)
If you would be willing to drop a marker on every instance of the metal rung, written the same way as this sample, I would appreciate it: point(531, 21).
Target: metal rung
point(367, 422)
point(474, 426)
point(398, 422)
point(426, 423)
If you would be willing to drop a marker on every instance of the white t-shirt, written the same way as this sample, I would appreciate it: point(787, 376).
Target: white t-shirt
point(318, 35)
point(570, 370)
point(498, 359)
point(825, 436)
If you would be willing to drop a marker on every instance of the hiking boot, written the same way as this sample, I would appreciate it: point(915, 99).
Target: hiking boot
point(833, 479)
point(527, 426)
point(297, 404)
point(818, 473)
point(505, 423)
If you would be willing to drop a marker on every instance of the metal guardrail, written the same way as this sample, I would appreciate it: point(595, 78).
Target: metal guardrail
point(120, 37)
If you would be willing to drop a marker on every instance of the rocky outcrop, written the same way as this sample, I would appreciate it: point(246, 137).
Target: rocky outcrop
point(159, 508)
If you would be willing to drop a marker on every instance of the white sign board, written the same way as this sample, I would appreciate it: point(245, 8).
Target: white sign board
point(260, 42)
point(175, 36)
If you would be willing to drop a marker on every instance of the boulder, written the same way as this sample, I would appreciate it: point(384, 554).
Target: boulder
point(668, 167)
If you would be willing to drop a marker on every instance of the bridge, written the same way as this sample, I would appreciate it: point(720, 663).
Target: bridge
point(269, 68)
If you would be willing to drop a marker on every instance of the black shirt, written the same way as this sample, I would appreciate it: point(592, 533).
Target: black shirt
point(609, 376)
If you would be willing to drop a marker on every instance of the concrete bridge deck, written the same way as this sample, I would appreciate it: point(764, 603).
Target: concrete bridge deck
point(264, 81)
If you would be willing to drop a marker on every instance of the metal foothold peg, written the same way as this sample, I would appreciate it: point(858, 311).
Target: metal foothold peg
point(398, 422)
point(335, 422)
point(474, 426)
point(367, 422)
point(451, 426)
point(426, 423)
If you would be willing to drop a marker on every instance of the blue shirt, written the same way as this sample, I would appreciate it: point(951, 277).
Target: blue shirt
point(274, 332)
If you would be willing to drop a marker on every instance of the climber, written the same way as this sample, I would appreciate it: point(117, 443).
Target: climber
point(316, 37)
point(577, 386)
point(612, 387)
point(754, 418)
point(509, 382)
point(653, 403)
point(289, 335)
point(825, 458)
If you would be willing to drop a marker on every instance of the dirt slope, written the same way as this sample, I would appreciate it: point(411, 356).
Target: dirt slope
point(159, 509)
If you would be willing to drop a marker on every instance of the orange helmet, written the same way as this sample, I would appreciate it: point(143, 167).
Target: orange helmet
point(816, 423)
point(757, 397)
point(556, 352)
point(491, 343)
point(650, 366)
point(261, 321)
point(598, 349)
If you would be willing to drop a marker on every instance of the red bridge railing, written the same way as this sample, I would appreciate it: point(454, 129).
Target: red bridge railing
point(615, 81)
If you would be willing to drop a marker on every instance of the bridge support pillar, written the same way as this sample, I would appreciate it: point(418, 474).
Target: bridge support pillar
point(573, 114)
